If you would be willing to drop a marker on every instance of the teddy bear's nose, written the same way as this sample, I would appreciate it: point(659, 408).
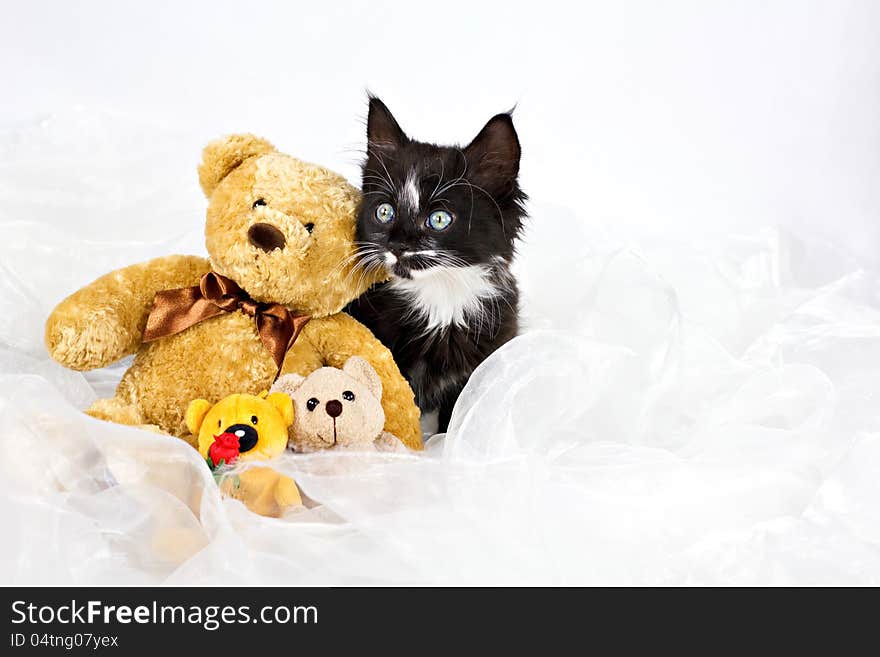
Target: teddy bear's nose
point(334, 408)
point(266, 237)
point(247, 436)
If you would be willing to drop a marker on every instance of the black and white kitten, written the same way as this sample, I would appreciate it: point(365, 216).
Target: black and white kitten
point(442, 220)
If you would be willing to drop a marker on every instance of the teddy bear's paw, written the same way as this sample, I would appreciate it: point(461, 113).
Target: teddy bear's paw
point(176, 544)
point(263, 490)
point(118, 411)
point(287, 493)
point(287, 383)
point(89, 341)
point(388, 442)
point(152, 428)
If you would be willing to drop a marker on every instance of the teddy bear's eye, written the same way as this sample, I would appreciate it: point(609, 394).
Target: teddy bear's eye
point(348, 395)
point(259, 202)
point(312, 404)
point(253, 419)
point(310, 227)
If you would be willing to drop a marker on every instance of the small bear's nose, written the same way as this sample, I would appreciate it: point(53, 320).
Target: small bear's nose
point(334, 408)
point(247, 436)
point(266, 237)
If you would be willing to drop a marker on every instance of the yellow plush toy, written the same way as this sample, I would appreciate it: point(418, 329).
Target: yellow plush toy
point(280, 235)
point(241, 427)
point(247, 428)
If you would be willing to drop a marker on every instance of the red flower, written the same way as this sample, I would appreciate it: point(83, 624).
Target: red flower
point(224, 448)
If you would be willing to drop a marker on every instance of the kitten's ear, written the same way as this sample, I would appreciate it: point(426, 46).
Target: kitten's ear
point(383, 131)
point(493, 155)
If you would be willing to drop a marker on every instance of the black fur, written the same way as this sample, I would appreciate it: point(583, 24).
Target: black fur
point(477, 185)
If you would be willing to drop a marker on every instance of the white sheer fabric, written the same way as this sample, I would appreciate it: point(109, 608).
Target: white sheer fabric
point(694, 409)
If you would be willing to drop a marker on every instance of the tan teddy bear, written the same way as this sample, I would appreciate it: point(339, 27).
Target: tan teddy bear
point(280, 235)
point(338, 408)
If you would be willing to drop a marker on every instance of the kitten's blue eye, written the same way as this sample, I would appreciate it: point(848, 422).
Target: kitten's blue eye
point(439, 220)
point(384, 213)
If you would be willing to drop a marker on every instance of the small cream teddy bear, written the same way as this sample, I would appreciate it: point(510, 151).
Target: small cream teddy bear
point(338, 409)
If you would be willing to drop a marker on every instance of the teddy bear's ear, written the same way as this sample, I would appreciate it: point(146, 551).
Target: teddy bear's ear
point(224, 155)
point(284, 404)
point(287, 383)
point(195, 414)
point(357, 368)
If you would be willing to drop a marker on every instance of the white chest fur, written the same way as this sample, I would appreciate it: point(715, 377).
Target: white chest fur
point(443, 296)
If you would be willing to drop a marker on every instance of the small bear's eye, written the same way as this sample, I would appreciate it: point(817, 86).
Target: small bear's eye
point(348, 395)
point(310, 227)
point(253, 419)
point(312, 404)
point(259, 202)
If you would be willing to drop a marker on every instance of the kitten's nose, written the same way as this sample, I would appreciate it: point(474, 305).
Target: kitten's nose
point(334, 408)
point(396, 248)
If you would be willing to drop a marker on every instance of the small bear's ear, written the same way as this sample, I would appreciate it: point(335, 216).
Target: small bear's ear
point(287, 383)
point(284, 404)
point(222, 156)
point(357, 368)
point(195, 414)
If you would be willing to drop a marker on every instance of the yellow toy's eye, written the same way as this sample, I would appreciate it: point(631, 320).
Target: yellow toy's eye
point(219, 423)
point(253, 419)
point(439, 220)
point(385, 213)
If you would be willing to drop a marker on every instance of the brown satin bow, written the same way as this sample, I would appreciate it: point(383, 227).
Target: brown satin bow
point(176, 310)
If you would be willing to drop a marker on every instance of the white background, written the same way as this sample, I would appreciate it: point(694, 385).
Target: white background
point(662, 116)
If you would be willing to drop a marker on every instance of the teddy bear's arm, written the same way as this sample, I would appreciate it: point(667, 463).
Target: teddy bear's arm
point(337, 338)
point(302, 358)
point(104, 321)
